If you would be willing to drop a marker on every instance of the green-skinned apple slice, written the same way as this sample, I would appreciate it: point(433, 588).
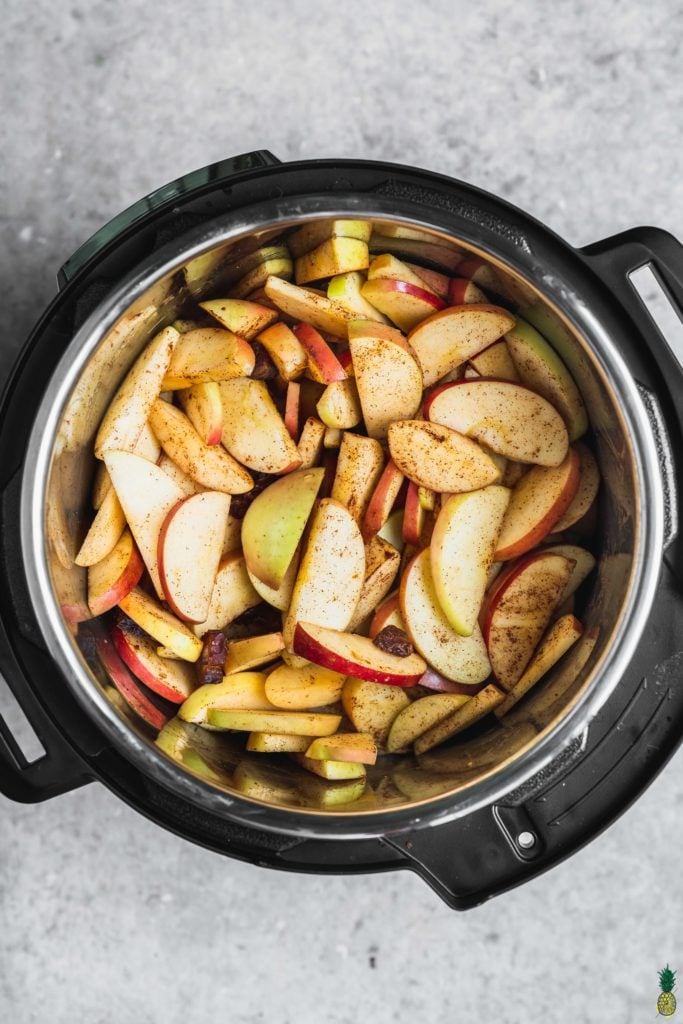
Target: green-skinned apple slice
point(240, 316)
point(345, 289)
point(298, 723)
point(310, 236)
point(338, 255)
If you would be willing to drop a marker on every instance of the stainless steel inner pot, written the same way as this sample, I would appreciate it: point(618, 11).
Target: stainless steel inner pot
point(450, 781)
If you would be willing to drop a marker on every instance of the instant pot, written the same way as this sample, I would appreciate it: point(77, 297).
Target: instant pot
point(506, 801)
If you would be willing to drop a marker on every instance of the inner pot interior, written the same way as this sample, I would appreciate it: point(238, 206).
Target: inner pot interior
point(484, 750)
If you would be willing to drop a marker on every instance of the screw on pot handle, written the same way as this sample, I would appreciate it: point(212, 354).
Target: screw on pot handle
point(211, 177)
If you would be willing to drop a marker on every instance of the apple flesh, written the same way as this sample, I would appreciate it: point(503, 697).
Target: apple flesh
point(171, 679)
point(388, 614)
point(355, 655)
point(310, 444)
point(389, 267)
point(104, 532)
point(128, 687)
point(310, 236)
point(360, 465)
point(462, 290)
point(179, 477)
point(448, 338)
point(244, 691)
point(437, 457)
point(318, 311)
point(339, 406)
point(279, 597)
point(356, 747)
point(561, 635)
point(584, 563)
point(161, 624)
point(300, 689)
point(322, 364)
point(496, 361)
point(253, 430)
point(371, 707)
point(382, 562)
point(586, 493)
point(388, 377)
point(419, 716)
point(241, 317)
point(392, 531)
point(207, 354)
point(201, 404)
point(110, 580)
point(277, 743)
point(406, 305)
point(508, 418)
point(337, 255)
point(286, 351)
point(474, 709)
point(333, 770)
point(299, 723)
point(279, 266)
point(382, 500)
point(410, 244)
point(345, 289)
point(253, 652)
point(190, 548)
point(292, 409)
point(232, 594)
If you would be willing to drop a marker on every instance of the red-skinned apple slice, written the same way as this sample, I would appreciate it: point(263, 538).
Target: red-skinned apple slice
point(496, 361)
point(292, 403)
point(518, 609)
point(302, 304)
point(253, 430)
point(355, 655)
point(286, 351)
point(232, 594)
point(474, 268)
point(433, 680)
point(415, 517)
point(388, 614)
point(207, 354)
point(584, 565)
point(323, 365)
point(436, 282)
point(115, 576)
point(462, 290)
point(339, 406)
point(437, 457)
point(190, 548)
point(405, 304)
point(477, 707)
point(360, 465)
point(451, 337)
point(391, 268)
point(586, 492)
point(462, 545)
point(202, 406)
point(241, 317)
point(161, 624)
point(131, 691)
point(460, 658)
point(387, 374)
point(508, 418)
point(104, 532)
point(561, 635)
point(338, 255)
point(173, 680)
point(382, 500)
point(538, 502)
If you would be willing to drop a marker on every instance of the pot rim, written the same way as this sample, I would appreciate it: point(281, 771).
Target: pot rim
point(530, 759)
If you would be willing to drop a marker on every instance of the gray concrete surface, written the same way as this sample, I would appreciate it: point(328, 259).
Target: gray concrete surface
point(571, 110)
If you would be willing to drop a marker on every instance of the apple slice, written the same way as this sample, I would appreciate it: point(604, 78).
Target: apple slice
point(101, 485)
point(541, 369)
point(253, 430)
point(461, 551)
point(332, 437)
point(207, 354)
point(479, 270)
point(437, 457)
point(104, 532)
point(292, 407)
point(462, 290)
point(420, 716)
point(310, 446)
point(202, 406)
point(232, 595)
point(518, 609)
point(252, 652)
point(166, 629)
point(115, 576)
point(244, 691)
point(190, 548)
point(356, 747)
point(279, 597)
point(129, 409)
point(277, 743)
point(208, 465)
point(433, 680)
point(372, 707)
point(302, 304)
point(586, 492)
point(392, 531)
point(299, 689)
point(314, 234)
point(331, 573)
point(241, 317)
point(279, 266)
point(584, 563)
point(133, 694)
point(445, 340)
point(474, 709)
point(460, 658)
point(322, 364)
point(405, 304)
point(408, 243)
point(538, 502)
point(345, 289)
point(298, 723)
point(508, 418)
point(147, 495)
point(359, 468)
point(329, 769)
point(389, 267)
point(355, 655)
point(496, 361)
point(382, 562)
point(171, 679)
point(415, 518)
point(382, 500)
point(388, 614)
point(275, 521)
point(561, 635)
point(337, 255)
point(285, 349)
point(179, 477)
point(388, 377)
point(339, 407)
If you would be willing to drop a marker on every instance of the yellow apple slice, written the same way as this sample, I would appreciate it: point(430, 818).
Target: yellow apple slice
point(496, 361)
point(586, 493)
point(274, 524)
point(253, 430)
point(382, 562)
point(339, 405)
point(355, 655)
point(337, 255)
point(326, 795)
point(171, 679)
point(298, 689)
point(207, 354)
point(331, 573)
point(474, 709)
point(584, 563)
point(285, 349)
point(190, 548)
point(252, 652)
point(460, 658)
point(302, 304)
point(346, 290)
point(104, 532)
point(129, 410)
point(208, 465)
point(420, 716)
point(278, 597)
point(451, 337)
point(232, 594)
point(508, 418)
point(388, 377)
point(359, 468)
point(372, 708)
point(239, 316)
point(311, 442)
point(538, 502)
point(357, 747)
point(202, 405)
point(110, 580)
point(437, 457)
point(147, 495)
point(461, 552)
point(334, 770)
point(280, 266)
point(245, 690)
point(298, 723)
point(166, 629)
point(312, 235)
point(560, 636)
point(518, 609)
point(382, 500)
point(277, 743)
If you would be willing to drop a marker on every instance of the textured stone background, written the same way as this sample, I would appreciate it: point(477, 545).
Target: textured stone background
point(571, 110)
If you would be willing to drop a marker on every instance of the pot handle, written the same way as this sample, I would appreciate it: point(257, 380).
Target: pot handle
point(214, 176)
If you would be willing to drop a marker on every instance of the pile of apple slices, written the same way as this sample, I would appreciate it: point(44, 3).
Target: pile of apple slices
point(377, 459)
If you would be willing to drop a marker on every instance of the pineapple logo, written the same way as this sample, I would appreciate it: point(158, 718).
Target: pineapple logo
point(666, 1004)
